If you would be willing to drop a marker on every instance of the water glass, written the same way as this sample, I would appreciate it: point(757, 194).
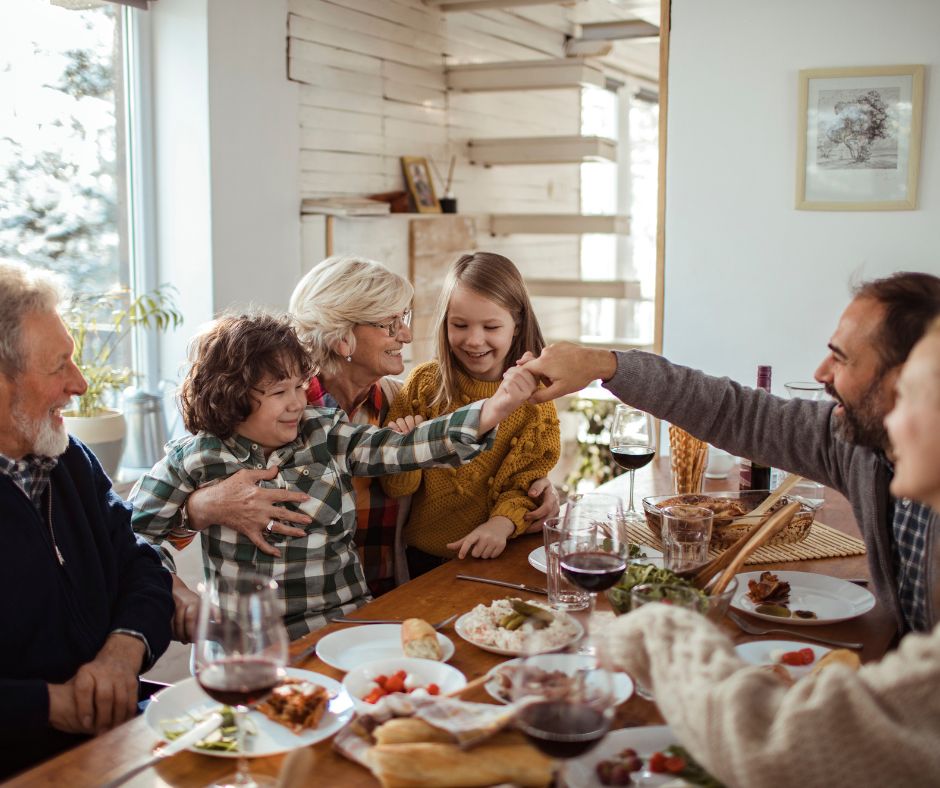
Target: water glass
point(562, 595)
point(686, 532)
point(812, 492)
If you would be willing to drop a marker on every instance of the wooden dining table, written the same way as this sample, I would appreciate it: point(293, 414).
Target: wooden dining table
point(433, 597)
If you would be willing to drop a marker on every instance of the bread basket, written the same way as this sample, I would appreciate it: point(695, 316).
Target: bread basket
point(729, 505)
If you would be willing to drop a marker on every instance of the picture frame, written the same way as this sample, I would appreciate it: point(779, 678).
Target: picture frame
point(859, 133)
point(420, 186)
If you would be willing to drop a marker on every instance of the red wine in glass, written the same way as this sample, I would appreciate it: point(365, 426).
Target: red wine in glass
point(563, 729)
point(632, 458)
point(593, 571)
point(239, 681)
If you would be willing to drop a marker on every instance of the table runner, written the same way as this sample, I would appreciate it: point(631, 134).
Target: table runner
point(822, 541)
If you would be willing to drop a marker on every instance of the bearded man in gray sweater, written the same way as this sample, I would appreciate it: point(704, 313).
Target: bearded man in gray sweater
point(842, 444)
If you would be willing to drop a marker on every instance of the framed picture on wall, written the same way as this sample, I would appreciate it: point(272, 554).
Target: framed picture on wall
point(420, 185)
point(859, 138)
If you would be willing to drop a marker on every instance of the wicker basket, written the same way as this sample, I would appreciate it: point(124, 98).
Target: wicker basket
point(731, 505)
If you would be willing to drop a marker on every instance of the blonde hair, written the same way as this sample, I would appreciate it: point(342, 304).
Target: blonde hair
point(495, 278)
point(23, 290)
point(338, 294)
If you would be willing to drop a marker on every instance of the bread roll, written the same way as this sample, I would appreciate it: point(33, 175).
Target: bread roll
point(436, 765)
point(418, 639)
point(401, 730)
point(838, 656)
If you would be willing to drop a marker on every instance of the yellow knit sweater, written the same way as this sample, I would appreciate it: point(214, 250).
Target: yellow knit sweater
point(448, 503)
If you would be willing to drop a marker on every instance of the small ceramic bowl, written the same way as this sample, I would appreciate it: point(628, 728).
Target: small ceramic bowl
point(360, 681)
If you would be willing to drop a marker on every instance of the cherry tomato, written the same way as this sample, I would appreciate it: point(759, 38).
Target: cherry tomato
point(807, 655)
point(395, 684)
point(374, 696)
point(657, 762)
point(792, 658)
point(674, 764)
point(433, 689)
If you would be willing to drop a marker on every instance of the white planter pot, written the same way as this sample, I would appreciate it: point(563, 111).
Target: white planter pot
point(103, 434)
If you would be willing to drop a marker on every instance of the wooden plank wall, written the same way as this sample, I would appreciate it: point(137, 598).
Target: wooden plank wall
point(372, 89)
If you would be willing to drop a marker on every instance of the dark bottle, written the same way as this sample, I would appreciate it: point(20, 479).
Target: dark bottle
point(754, 476)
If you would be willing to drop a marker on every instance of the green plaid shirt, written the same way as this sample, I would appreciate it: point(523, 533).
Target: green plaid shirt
point(319, 574)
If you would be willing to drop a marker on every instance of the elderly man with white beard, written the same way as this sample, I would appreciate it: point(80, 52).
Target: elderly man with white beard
point(84, 607)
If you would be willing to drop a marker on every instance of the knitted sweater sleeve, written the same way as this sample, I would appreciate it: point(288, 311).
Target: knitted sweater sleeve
point(411, 401)
point(837, 728)
point(534, 452)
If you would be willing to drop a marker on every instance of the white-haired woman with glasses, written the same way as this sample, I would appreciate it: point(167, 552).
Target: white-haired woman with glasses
point(354, 315)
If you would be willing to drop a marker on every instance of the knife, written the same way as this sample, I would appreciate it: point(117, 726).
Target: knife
point(162, 751)
point(518, 586)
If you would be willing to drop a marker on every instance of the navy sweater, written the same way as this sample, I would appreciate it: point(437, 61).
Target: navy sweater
point(54, 619)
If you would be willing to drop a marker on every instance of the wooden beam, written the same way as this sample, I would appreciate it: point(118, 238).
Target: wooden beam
point(557, 224)
point(664, 26)
point(583, 288)
point(525, 75)
point(617, 30)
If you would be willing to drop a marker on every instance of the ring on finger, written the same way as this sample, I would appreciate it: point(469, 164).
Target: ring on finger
point(270, 526)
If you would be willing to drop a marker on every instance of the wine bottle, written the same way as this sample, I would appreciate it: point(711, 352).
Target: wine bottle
point(755, 476)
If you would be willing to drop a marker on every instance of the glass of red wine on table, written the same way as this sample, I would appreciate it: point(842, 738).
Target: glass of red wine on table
point(633, 446)
point(564, 715)
point(240, 652)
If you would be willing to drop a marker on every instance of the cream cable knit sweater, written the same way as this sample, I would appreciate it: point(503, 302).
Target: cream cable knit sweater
point(877, 727)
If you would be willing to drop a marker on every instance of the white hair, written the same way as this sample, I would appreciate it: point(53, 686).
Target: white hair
point(23, 290)
point(338, 294)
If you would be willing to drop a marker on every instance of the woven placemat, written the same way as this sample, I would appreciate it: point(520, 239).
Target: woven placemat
point(822, 541)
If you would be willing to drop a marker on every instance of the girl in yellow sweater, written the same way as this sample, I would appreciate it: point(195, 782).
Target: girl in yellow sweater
point(484, 322)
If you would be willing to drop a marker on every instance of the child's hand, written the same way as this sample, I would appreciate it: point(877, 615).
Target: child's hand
point(405, 424)
point(518, 385)
point(487, 540)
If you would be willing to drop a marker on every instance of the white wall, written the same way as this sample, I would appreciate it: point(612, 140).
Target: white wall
point(748, 278)
point(226, 143)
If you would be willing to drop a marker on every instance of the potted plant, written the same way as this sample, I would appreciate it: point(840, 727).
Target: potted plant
point(100, 323)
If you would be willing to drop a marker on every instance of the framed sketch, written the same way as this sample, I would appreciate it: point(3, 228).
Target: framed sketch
point(420, 185)
point(859, 138)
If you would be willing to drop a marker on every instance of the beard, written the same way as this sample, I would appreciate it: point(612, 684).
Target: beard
point(42, 435)
point(863, 423)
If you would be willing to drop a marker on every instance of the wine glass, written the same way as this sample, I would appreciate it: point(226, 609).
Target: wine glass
point(240, 651)
point(633, 445)
point(566, 704)
point(583, 511)
point(593, 558)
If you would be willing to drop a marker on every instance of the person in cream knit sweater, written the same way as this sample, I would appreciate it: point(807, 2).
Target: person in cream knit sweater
point(877, 727)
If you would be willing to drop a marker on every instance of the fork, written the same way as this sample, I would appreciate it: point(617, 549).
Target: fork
point(342, 620)
point(752, 629)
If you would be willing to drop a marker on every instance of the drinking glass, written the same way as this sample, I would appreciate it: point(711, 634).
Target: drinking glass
point(813, 492)
point(561, 594)
point(583, 511)
point(593, 559)
point(633, 445)
point(240, 652)
point(563, 718)
point(686, 532)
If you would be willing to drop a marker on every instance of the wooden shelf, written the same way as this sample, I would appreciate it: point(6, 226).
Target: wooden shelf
point(541, 150)
point(582, 288)
point(525, 75)
point(479, 5)
point(557, 224)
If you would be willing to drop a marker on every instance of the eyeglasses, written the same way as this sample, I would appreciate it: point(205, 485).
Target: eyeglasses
point(393, 326)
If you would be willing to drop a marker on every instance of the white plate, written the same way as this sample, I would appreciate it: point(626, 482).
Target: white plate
point(645, 740)
point(359, 682)
point(537, 556)
point(186, 697)
point(460, 627)
point(830, 598)
point(623, 684)
point(352, 646)
point(760, 652)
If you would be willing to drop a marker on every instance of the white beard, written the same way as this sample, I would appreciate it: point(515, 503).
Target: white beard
point(45, 438)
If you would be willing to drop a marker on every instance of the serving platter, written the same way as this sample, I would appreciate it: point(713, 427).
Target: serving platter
point(830, 598)
point(348, 648)
point(622, 683)
point(762, 652)
point(462, 628)
point(187, 698)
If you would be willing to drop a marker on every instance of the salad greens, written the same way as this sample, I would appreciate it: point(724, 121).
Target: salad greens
point(222, 739)
point(641, 574)
point(693, 772)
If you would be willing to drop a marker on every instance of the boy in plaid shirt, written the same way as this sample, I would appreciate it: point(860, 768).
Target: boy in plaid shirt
point(244, 400)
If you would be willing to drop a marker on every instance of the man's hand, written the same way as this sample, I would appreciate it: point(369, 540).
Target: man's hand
point(405, 424)
point(487, 540)
point(565, 367)
point(106, 688)
point(517, 387)
point(187, 608)
point(549, 507)
point(63, 709)
point(238, 503)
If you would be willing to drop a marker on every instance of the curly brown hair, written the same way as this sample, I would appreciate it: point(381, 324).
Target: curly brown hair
point(233, 357)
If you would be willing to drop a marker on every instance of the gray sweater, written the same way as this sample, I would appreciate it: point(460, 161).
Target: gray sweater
point(796, 435)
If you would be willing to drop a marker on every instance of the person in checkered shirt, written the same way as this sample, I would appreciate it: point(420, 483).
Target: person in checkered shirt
point(245, 402)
